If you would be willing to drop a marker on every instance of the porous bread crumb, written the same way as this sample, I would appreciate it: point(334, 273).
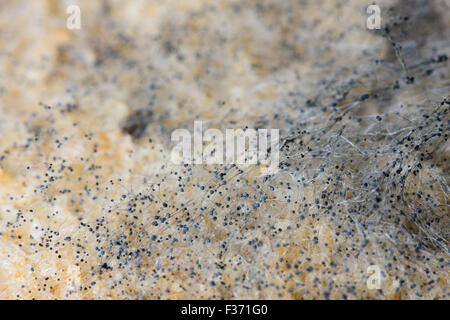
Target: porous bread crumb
point(92, 208)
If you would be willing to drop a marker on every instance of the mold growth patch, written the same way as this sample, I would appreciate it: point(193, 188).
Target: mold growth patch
point(88, 212)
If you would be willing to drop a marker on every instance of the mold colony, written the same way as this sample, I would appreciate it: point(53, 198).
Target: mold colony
point(91, 206)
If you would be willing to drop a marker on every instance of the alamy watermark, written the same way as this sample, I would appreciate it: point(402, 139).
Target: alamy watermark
point(74, 19)
point(374, 20)
point(377, 277)
point(242, 147)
